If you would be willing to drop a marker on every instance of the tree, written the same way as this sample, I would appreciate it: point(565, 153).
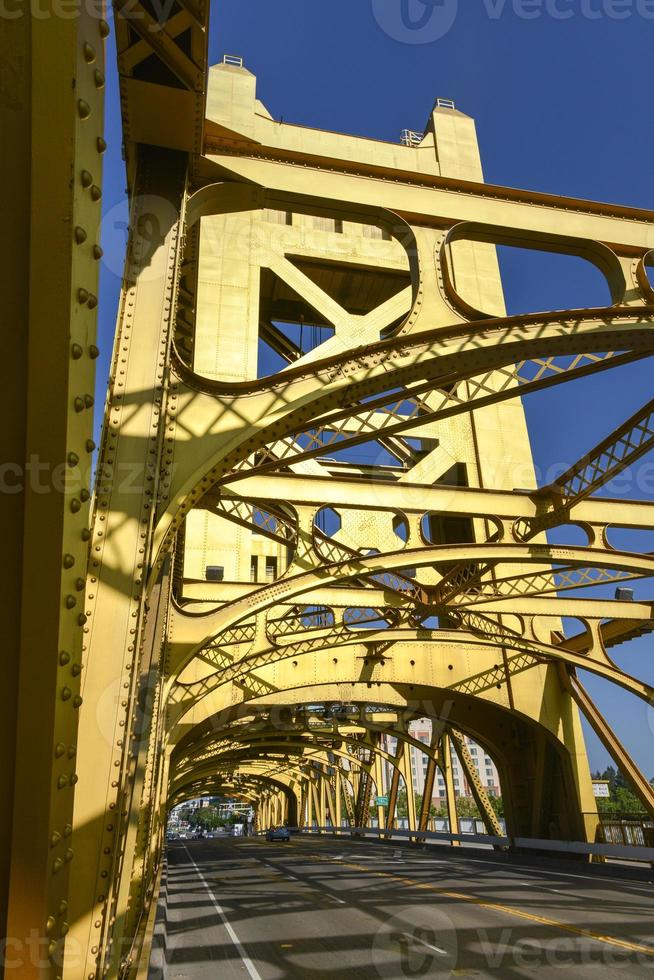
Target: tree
point(205, 817)
point(628, 802)
point(497, 804)
point(466, 807)
point(622, 801)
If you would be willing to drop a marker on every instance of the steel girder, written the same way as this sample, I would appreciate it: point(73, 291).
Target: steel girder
point(51, 117)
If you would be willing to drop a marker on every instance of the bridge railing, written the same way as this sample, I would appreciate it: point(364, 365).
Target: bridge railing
point(620, 852)
point(635, 833)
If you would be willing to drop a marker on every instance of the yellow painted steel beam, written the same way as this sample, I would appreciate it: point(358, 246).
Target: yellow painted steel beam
point(405, 496)
point(51, 117)
point(428, 371)
point(641, 785)
point(480, 796)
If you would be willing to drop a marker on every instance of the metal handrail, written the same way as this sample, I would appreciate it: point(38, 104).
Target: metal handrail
point(624, 852)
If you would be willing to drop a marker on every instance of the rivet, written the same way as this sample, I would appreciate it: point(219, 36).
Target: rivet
point(78, 404)
point(84, 109)
point(93, 351)
point(55, 837)
point(76, 669)
point(90, 445)
point(98, 78)
point(68, 856)
point(71, 602)
point(57, 864)
point(50, 923)
point(68, 829)
point(65, 693)
point(80, 583)
point(93, 301)
point(88, 400)
point(89, 52)
point(86, 534)
point(82, 295)
point(97, 252)
point(61, 782)
point(72, 749)
point(73, 459)
point(84, 495)
point(64, 929)
point(80, 235)
point(103, 27)
point(77, 700)
point(52, 945)
point(101, 144)
point(69, 561)
point(76, 351)
point(60, 748)
point(64, 658)
point(96, 193)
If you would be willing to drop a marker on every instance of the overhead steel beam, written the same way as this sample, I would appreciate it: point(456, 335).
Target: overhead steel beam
point(610, 457)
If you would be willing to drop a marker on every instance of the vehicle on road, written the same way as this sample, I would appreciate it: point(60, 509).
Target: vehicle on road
point(278, 833)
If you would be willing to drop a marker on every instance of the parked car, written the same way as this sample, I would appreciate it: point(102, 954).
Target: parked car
point(278, 833)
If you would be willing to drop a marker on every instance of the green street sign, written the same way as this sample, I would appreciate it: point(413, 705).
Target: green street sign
point(381, 801)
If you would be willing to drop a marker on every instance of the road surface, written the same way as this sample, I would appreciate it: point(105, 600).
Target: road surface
point(320, 907)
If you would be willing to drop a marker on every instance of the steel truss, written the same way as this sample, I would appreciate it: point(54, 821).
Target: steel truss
point(287, 570)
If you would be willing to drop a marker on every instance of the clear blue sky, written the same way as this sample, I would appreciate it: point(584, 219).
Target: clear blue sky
point(559, 93)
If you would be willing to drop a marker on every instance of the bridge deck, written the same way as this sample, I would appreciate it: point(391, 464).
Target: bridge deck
point(333, 908)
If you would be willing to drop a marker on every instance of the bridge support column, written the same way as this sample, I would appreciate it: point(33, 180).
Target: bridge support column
point(450, 794)
point(395, 784)
point(51, 119)
point(488, 815)
point(129, 471)
point(382, 811)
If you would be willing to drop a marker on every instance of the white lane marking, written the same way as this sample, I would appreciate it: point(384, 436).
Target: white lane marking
point(422, 942)
point(633, 883)
point(247, 962)
point(301, 881)
point(544, 888)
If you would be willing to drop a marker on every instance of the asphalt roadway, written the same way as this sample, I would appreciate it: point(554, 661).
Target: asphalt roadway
point(322, 907)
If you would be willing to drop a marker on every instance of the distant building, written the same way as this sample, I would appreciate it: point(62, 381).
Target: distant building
point(421, 730)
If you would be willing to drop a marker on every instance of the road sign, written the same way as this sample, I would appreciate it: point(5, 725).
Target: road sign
point(381, 801)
